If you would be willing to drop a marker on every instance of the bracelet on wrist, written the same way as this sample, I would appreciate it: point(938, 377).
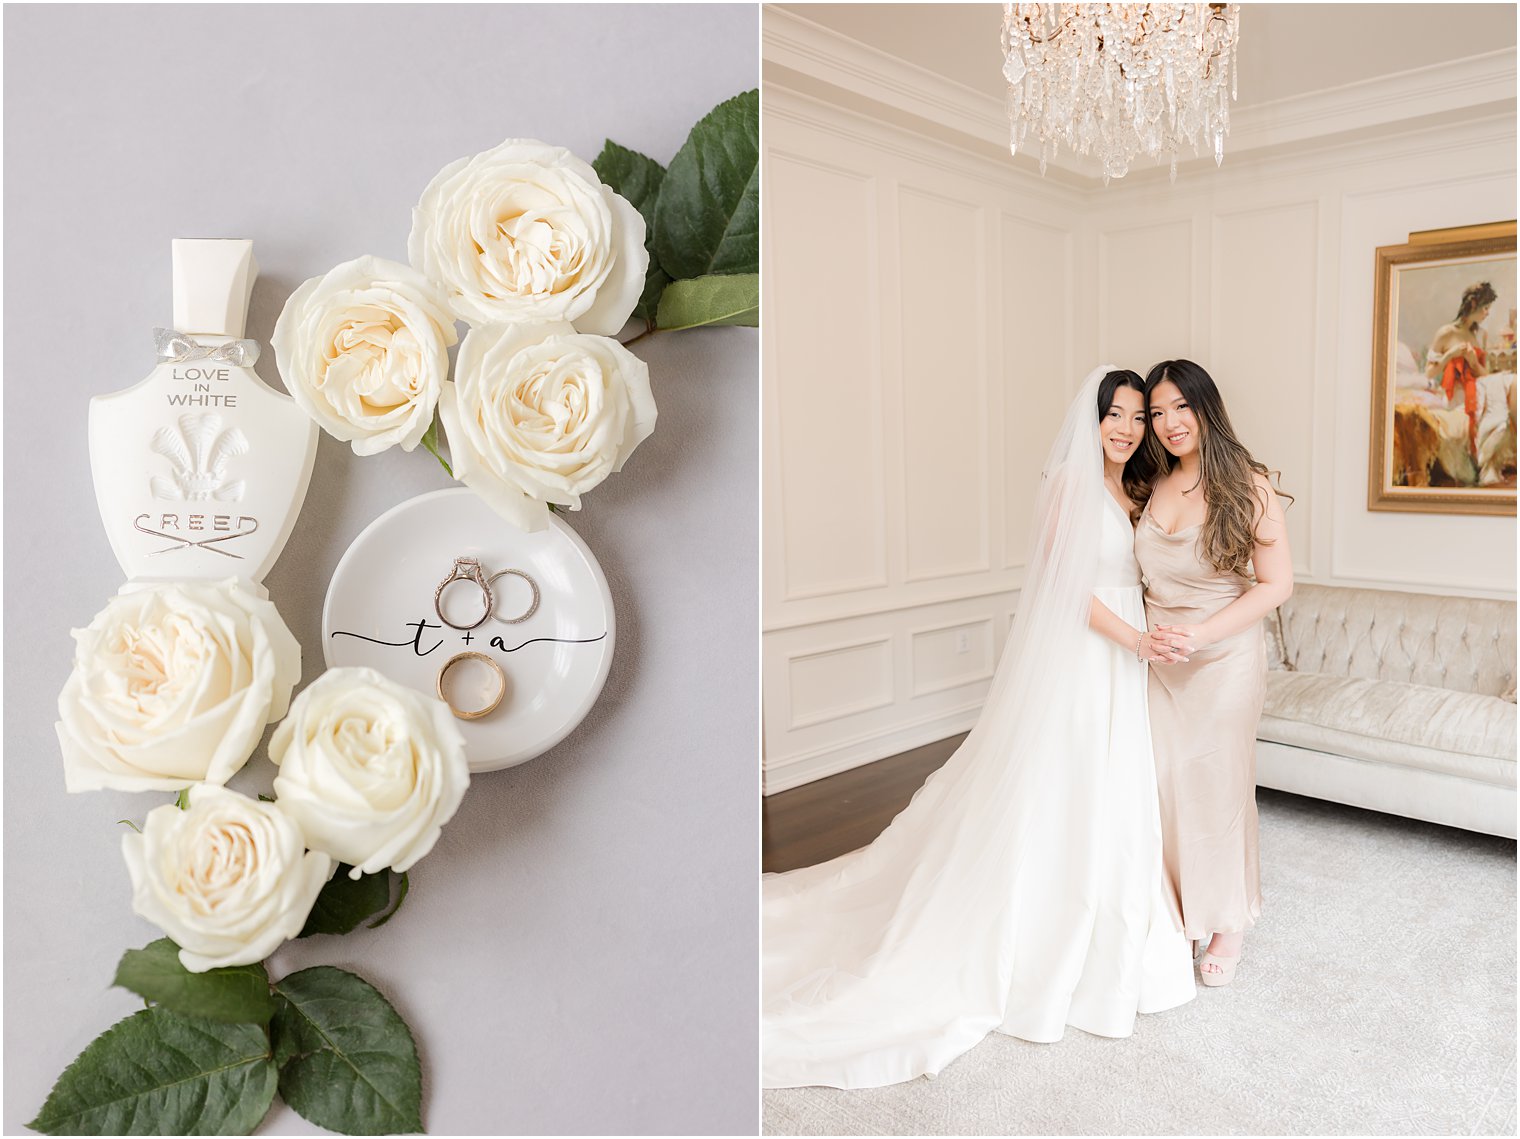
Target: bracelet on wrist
point(1140, 640)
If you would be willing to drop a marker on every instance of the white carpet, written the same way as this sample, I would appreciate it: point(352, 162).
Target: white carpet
point(1376, 997)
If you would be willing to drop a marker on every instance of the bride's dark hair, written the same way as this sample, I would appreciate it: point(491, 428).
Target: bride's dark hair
point(1232, 500)
point(1140, 471)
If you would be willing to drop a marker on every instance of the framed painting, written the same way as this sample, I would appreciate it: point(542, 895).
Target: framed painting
point(1443, 373)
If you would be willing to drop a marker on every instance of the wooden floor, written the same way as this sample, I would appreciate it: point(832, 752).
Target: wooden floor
point(829, 817)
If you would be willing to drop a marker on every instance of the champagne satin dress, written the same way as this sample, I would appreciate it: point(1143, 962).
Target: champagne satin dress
point(1204, 716)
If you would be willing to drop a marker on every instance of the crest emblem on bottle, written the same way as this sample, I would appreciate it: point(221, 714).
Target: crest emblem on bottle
point(198, 448)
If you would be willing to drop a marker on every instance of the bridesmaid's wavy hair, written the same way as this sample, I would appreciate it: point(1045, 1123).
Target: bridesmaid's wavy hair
point(1232, 500)
point(1140, 471)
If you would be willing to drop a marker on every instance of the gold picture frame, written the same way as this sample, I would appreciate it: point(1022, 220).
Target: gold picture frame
point(1443, 391)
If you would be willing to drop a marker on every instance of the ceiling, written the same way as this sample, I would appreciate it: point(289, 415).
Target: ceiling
point(1285, 49)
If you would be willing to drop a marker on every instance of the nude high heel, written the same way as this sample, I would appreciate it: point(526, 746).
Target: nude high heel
point(1226, 972)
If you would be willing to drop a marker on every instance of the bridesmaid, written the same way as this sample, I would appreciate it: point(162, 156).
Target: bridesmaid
point(1213, 551)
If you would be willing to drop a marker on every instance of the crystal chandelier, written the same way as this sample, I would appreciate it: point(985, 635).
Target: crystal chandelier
point(1119, 80)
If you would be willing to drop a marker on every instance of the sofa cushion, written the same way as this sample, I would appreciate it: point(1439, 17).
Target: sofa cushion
point(1413, 725)
point(1465, 644)
point(1277, 654)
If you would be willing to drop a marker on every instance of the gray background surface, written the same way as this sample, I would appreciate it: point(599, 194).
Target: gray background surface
point(578, 954)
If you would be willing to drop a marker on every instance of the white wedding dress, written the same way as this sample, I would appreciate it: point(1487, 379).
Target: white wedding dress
point(1022, 888)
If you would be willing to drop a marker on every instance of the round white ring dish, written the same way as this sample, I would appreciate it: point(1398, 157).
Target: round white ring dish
point(379, 614)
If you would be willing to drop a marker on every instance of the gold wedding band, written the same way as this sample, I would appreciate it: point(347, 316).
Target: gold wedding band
point(501, 685)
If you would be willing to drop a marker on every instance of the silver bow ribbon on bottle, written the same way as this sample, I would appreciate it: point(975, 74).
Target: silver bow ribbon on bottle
point(177, 348)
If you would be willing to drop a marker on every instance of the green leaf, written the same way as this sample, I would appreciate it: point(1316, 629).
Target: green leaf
point(707, 218)
point(430, 441)
point(182, 801)
point(712, 300)
point(406, 884)
point(347, 1060)
point(654, 288)
point(637, 177)
point(129, 823)
point(345, 902)
point(160, 1073)
point(235, 995)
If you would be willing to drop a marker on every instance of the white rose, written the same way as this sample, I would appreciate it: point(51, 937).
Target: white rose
point(371, 770)
point(228, 879)
point(173, 684)
point(526, 231)
point(540, 413)
point(364, 349)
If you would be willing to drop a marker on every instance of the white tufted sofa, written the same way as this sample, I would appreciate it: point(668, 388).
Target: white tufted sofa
point(1399, 702)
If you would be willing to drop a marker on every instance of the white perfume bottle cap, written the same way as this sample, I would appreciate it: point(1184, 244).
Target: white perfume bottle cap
point(213, 281)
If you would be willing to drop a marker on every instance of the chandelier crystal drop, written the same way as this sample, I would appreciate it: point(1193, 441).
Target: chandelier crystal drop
point(1119, 80)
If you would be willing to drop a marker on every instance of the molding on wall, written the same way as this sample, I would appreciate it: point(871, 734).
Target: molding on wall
point(1421, 143)
point(923, 691)
point(1466, 178)
point(1104, 236)
point(822, 54)
point(1393, 585)
point(1408, 583)
point(1458, 85)
point(944, 153)
point(844, 607)
point(981, 562)
point(1454, 89)
point(918, 688)
point(1303, 552)
point(878, 577)
point(1327, 289)
point(839, 712)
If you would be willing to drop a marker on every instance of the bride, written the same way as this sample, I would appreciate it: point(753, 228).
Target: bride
point(1022, 888)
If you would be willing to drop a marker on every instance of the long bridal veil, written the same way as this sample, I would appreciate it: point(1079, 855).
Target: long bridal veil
point(892, 960)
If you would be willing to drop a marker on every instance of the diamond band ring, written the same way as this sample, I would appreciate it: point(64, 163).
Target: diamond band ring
point(532, 606)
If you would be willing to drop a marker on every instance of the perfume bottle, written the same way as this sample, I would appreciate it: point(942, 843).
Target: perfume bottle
point(201, 469)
